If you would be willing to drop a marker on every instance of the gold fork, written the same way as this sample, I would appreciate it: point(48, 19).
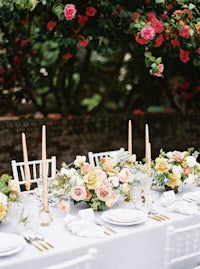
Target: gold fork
point(105, 226)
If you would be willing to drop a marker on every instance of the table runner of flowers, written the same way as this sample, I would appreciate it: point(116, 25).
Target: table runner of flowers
point(100, 186)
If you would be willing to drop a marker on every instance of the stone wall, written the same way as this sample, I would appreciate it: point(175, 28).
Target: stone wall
point(68, 138)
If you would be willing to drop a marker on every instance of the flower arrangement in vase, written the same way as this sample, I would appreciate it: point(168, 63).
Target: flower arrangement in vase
point(97, 186)
point(174, 168)
point(8, 193)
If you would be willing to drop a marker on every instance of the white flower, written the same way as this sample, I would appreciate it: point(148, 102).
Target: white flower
point(114, 180)
point(78, 180)
point(3, 198)
point(177, 169)
point(67, 172)
point(63, 171)
point(79, 161)
point(191, 161)
point(190, 179)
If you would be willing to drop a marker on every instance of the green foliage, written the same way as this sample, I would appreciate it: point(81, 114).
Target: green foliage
point(74, 65)
point(4, 187)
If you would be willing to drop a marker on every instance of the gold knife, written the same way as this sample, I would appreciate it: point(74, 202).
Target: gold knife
point(33, 244)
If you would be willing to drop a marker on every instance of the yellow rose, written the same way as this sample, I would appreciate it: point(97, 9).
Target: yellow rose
point(108, 164)
point(175, 181)
point(94, 178)
point(198, 27)
point(162, 165)
point(3, 211)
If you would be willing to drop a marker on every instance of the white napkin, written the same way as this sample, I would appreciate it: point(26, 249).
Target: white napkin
point(169, 200)
point(7, 242)
point(183, 207)
point(82, 227)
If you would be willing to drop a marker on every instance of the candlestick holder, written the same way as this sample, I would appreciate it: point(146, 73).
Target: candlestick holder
point(45, 217)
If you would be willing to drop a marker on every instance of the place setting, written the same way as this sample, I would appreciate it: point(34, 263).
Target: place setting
point(10, 244)
point(124, 216)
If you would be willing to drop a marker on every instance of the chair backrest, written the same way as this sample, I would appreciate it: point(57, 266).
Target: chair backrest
point(95, 157)
point(35, 171)
point(182, 249)
point(86, 261)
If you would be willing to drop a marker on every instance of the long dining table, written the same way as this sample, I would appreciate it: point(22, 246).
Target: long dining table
point(138, 246)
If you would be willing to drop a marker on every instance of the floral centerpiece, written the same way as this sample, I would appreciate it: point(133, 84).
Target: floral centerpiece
point(174, 168)
point(97, 186)
point(8, 192)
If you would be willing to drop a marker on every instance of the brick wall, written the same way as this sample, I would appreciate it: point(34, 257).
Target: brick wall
point(68, 138)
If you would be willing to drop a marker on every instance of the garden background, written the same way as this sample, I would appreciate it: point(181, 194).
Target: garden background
point(84, 68)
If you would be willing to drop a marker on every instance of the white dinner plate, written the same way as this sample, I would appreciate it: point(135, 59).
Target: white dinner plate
point(123, 215)
point(122, 223)
point(13, 243)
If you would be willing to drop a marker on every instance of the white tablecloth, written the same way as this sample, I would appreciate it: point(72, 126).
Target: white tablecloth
point(138, 246)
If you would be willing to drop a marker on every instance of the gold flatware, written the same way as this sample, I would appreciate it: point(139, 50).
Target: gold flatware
point(164, 216)
point(30, 242)
point(41, 239)
point(155, 218)
point(106, 227)
point(110, 229)
point(158, 216)
point(106, 233)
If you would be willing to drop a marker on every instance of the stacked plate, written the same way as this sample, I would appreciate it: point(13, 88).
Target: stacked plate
point(124, 216)
point(192, 196)
point(10, 244)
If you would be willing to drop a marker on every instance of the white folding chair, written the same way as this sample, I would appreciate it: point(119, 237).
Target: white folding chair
point(86, 261)
point(95, 157)
point(35, 171)
point(182, 249)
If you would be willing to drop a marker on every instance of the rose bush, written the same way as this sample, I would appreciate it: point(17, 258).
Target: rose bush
point(53, 58)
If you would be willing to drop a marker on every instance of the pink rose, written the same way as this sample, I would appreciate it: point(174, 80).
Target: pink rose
point(148, 32)
point(90, 11)
point(184, 32)
point(82, 19)
point(51, 24)
point(70, 11)
point(176, 155)
point(103, 192)
point(160, 70)
point(124, 175)
point(184, 56)
point(86, 168)
point(158, 25)
point(112, 200)
point(83, 42)
point(175, 43)
point(151, 16)
point(140, 40)
point(159, 41)
point(78, 193)
point(67, 55)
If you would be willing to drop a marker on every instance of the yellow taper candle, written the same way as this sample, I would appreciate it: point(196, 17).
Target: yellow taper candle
point(149, 160)
point(130, 137)
point(44, 170)
point(26, 166)
point(147, 150)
